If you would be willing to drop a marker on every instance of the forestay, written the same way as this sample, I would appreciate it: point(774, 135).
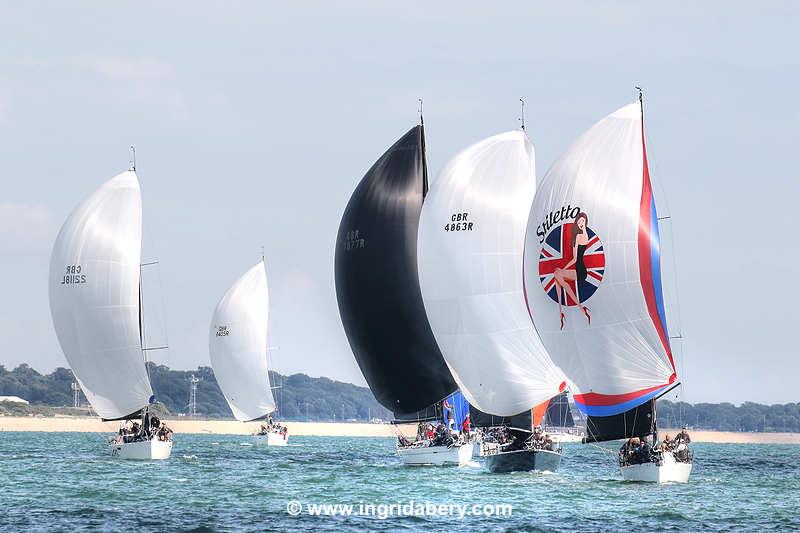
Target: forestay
point(471, 240)
point(237, 344)
point(592, 253)
point(94, 297)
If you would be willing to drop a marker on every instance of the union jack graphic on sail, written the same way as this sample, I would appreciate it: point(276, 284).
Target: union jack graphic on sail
point(557, 252)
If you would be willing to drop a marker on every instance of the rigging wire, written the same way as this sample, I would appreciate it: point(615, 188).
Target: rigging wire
point(666, 215)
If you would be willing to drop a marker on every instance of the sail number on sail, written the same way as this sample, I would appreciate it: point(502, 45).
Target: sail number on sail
point(73, 275)
point(458, 222)
point(223, 331)
point(353, 240)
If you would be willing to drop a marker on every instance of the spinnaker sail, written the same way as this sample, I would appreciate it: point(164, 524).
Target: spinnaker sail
point(471, 241)
point(592, 270)
point(237, 344)
point(94, 298)
point(377, 284)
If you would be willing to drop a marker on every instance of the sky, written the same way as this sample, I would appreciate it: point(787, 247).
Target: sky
point(254, 121)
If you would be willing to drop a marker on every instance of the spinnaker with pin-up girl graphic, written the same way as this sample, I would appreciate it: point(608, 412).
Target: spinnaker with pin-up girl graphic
point(593, 287)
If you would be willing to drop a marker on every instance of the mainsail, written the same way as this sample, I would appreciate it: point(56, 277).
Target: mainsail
point(94, 297)
point(237, 345)
point(377, 286)
point(592, 271)
point(557, 413)
point(471, 241)
point(521, 421)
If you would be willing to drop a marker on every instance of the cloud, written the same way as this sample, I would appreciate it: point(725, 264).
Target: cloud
point(25, 228)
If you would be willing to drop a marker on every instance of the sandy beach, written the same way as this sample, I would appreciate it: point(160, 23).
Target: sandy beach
point(326, 429)
point(215, 427)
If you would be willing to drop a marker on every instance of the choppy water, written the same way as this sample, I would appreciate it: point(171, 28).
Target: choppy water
point(67, 482)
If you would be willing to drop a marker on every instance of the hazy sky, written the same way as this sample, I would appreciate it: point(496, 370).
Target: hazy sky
point(253, 122)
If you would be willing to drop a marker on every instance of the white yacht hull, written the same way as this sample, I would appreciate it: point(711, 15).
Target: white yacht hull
point(271, 439)
point(670, 471)
point(561, 438)
point(146, 450)
point(437, 455)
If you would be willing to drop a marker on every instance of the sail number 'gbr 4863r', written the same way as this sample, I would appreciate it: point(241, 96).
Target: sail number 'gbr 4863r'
point(459, 222)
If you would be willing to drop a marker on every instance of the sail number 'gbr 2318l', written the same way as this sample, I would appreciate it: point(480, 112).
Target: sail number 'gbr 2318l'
point(73, 275)
point(458, 222)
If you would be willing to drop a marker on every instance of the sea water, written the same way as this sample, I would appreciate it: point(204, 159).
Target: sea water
point(68, 481)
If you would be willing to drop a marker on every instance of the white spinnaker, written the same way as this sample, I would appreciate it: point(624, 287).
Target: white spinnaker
point(94, 297)
point(622, 357)
point(237, 346)
point(471, 238)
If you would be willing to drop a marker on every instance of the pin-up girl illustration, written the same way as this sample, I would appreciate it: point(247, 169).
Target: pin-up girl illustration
point(575, 270)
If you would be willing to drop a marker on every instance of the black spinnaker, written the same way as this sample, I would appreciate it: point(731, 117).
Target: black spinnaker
point(377, 285)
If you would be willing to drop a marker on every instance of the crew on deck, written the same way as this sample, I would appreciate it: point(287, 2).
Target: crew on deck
point(272, 427)
point(465, 427)
point(153, 429)
point(539, 440)
point(428, 435)
point(637, 450)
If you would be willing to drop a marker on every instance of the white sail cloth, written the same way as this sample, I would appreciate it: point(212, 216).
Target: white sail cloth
point(94, 297)
point(237, 346)
point(621, 357)
point(471, 238)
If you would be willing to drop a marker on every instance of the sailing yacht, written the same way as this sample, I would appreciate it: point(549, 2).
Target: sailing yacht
point(471, 240)
point(558, 421)
point(377, 290)
point(237, 346)
point(95, 303)
point(593, 286)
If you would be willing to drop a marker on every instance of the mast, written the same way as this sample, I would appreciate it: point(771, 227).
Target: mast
point(522, 114)
point(424, 156)
point(641, 108)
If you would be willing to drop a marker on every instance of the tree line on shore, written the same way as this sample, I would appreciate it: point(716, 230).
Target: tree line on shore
point(300, 397)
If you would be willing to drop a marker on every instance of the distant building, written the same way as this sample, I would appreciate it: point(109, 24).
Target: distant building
point(14, 399)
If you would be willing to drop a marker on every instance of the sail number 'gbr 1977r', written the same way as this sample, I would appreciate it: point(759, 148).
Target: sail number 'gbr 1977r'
point(73, 275)
point(459, 222)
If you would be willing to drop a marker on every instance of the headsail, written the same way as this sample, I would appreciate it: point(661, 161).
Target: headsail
point(471, 241)
point(237, 345)
point(94, 297)
point(377, 286)
point(592, 245)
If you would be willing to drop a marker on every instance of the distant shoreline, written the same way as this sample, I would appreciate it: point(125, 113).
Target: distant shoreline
point(83, 424)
